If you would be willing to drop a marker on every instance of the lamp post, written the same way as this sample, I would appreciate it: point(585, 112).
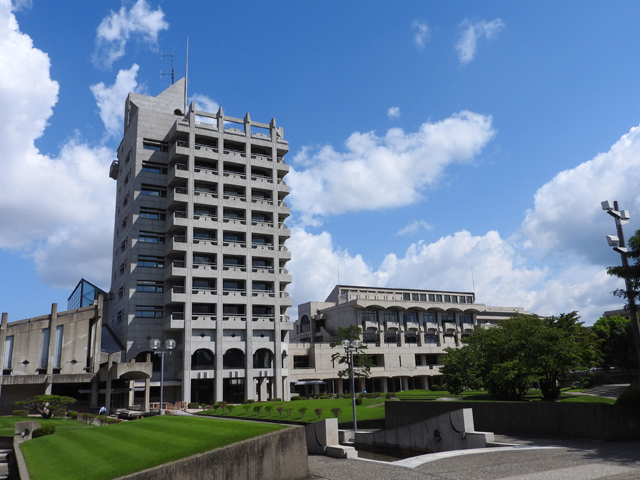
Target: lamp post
point(617, 242)
point(155, 344)
point(349, 348)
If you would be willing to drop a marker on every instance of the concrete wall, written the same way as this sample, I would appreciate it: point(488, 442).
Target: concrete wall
point(596, 421)
point(279, 455)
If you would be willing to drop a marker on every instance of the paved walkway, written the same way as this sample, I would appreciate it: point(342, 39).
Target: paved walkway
point(568, 460)
point(609, 391)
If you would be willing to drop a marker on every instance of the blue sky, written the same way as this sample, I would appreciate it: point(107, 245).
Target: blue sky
point(427, 141)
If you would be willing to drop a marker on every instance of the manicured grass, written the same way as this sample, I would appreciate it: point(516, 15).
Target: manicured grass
point(102, 453)
point(7, 424)
point(371, 408)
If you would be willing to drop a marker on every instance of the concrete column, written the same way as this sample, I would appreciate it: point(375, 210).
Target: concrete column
point(3, 339)
point(107, 393)
point(262, 389)
point(384, 385)
point(405, 383)
point(53, 323)
point(286, 388)
point(132, 392)
point(362, 384)
point(147, 393)
point(339, 386)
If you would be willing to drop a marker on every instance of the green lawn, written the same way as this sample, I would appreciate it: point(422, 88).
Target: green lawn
point(483, 396)
point(370, 408)
point(7, 424)
point(111, 451)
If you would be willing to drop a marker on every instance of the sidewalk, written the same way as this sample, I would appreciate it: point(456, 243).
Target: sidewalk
point(569, 460)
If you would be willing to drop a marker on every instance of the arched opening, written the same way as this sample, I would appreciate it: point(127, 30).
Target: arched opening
point(263, 358)
point(202, 359)
point(233, 358)
point(305, 324)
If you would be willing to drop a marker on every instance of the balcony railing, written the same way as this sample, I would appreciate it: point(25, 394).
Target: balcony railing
point(178, 264)
point(238, 198)
point(203, 290)
point(181, 190)
point(266, 246)
point(230, 173)
point(231, 151)
point(234, 291)
point(234, 268)
point(211, 266)
point(238, 244)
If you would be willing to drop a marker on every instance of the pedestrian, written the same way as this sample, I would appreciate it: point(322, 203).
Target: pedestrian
point(102, 411)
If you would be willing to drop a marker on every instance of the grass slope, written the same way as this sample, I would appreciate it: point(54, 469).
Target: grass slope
point(102, 453)
point(567, 395)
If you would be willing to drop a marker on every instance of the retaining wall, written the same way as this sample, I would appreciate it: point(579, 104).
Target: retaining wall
point(280, 455)
point(596, 421)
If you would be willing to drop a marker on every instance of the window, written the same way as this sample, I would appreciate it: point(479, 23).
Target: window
point(423, 297)
point(120, 293)
point(8, 352)
point(150, 286)
point(469, 299)
point(432, 297)
point(44, 349)
point(390, 315)
point(430, 338)
point(463, 299)
point(122, 269)
point(406, 296)
point(301, 361)
point(119, 316)
point(370, 316)
point(57, 347)
point(151, 237)
point(204, 234)
point(305, 324)
point(154, 145)
point(438, 298)
point(150, 261)
point(410, 317)
point(126, 179)
point(466, 318)
point(153, 191)
point(414, 297)
point(454, 299)
point(430, 317)
point(123, 245)
point(144, 311)
point(124, 222)
point(152, 213)
point(447, 298)
point(125, 202)
point(151, 167)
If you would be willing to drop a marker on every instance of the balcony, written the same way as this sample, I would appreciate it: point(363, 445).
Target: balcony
point(173, 322)
point(234, 153)
point(235, 292)
point(202, 292)
point(176, 243)
point(178, 219)
point(178, 195)
point(175, 295)
point(262, 246)
point(261, 179)
point(263, 293)
point(204, 321)
point(431, 327)
point(176, 268)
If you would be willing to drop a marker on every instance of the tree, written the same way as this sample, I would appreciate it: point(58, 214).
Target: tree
point(46, 405)
point(362, 362)
point(508, 358)
point(617, 346)
point(632, 272)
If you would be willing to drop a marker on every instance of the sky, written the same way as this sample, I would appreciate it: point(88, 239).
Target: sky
point(460, 146)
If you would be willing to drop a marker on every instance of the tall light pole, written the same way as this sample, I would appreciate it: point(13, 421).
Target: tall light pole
point(155, 344)
point(349, 348)
point(617, 242)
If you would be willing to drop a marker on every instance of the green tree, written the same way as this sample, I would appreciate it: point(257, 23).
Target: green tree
point(362, 362)
point(508, 358)
point(617, 346)
point(46, 404)
point(632, 272)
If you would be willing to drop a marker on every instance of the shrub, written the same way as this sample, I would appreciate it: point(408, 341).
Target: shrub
point(296, 397)
point(86, 418)
point(21, 413)
point(215, 407)
point(318, 412)
point(203, 406)
point(47, 429)
point(46, 404)
point(629, 399)
point(257, 409)
point(434, 388)
point(336, 412)
point(358, 401)
point(268, 409)
point(390, 395)
point(246, 408)
point(289, 411)
point(324, 397)
point(340, 395)
point(248, 400)
point(302, 411)
point(280, 409)
point(102, 420)
point(276, 399)
point(193, 405)
point(223, 405)
point(111, 421)
point(230, 408)
point(60, 412)
point(444, 387)
point(72, 414)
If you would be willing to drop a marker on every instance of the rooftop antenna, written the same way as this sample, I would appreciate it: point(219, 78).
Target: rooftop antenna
point(186, 78)
point(172, 71)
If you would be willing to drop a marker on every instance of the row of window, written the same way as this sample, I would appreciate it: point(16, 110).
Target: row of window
point(414, 297)
point(44, 349)
point(393, 316)
point(152, 311)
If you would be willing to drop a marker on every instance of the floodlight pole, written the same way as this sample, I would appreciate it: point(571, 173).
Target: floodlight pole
point(170, 345)
point(622, 250)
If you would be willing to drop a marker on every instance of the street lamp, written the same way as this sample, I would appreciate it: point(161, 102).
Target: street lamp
point(155, 344)
point(617, 242)
point(349, 348)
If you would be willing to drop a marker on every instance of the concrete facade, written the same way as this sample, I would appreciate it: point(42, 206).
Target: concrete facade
point(199, 254)
point(405, 331)
point(65, 353)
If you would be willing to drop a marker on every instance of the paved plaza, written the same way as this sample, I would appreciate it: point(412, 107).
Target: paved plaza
point(532, 459)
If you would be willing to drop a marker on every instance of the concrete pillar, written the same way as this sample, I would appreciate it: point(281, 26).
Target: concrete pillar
point(286, 389)
point(361, 384)
point(340, 386)
point(262, 389)
point(383, 385)
point(147, 393)
point(3, 339)
point(132, 392)
point(405, 383)
point(107, 393)
point(53, 323)
point(426, 384)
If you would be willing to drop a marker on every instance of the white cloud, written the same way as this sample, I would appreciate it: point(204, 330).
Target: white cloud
point(421, 34)
point(415, 227)
point(383, 172)
point(393, 112)
point(119, 27)
point(468, 41)
point(41, 197)
point(111, 99)
point(204, 103)
point(567, 216)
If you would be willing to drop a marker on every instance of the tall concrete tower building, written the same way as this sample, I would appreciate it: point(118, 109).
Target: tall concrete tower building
point(199, 249)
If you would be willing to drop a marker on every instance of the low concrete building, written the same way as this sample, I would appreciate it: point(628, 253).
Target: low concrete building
point(405, 331)
point(66, 353)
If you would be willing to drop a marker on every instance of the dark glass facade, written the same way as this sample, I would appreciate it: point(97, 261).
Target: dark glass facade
point(83, 295)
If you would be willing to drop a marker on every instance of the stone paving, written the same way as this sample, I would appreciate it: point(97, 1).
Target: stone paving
point(568, 460)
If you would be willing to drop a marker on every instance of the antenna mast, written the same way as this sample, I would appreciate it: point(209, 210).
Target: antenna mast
point(186, 79)
point(172, 70)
